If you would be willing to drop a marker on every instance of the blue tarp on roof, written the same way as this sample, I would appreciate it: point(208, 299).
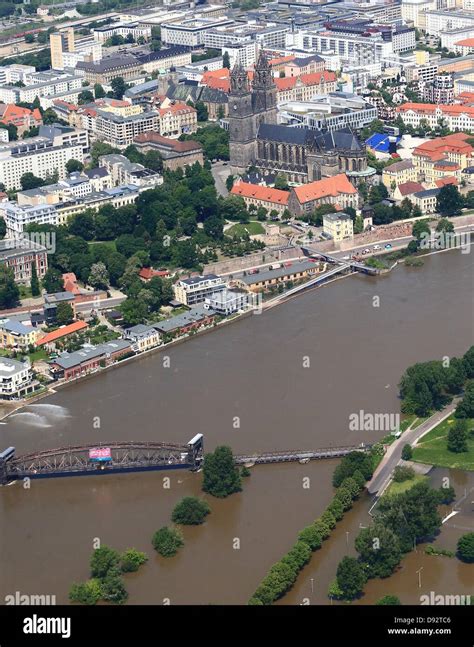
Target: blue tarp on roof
point(380, 142)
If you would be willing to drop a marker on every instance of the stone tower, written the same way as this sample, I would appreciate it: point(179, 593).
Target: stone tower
point(242, 125)
point(264, 92)
point(249, 106)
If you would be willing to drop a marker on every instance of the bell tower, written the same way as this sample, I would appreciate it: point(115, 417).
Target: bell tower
point(242, 123)
point(264, 91)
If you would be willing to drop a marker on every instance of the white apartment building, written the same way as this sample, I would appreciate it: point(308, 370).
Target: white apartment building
point(191, 32)
point(101, 34)
point(244, 53)
point(120, 131)
point(122, 172)
point(413, 11)
point(352, 50)
point(456, 117)
point(438, 21)
point(15, 72)
point(37, 155)
point(333, 112)
point(267, 37)
point(196, 289)
point(17, 217)
point(38, 88)
point(450, 37)
point(15, 378)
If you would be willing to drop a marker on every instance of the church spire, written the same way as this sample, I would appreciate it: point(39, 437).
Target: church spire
point(263, 72)
point(239, 80)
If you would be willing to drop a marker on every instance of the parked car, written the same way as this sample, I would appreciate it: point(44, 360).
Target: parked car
point(388, 246)
point(376, 247)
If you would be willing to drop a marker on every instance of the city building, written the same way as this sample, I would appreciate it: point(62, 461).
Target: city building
point(186, 322)
point(134, 29)
point(66, 51)
point(455, 117)
point(426, 200)
point(262, 196)
point(305, 86)
point(176, 118)
point(51, 303)
point(442, 157)
point(441, 89)
point(399, 173)
point(21, 255)
point(120, 131)
point(142, 337)
point(16, 379)
point(18, 217)
point(22, 118)
point(195, 289)
point(280, 274)
point(191, 32)
point(122, 172)
point(175, 154)
point(69, 366)
point(338, 226)
point(227, 302)
point(14, 334)
point(336, 190)
point(51, 339)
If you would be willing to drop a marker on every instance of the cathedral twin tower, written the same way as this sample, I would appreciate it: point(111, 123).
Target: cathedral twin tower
point(250, 104)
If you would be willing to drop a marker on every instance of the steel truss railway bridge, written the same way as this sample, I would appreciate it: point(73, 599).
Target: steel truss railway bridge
point(122, 457)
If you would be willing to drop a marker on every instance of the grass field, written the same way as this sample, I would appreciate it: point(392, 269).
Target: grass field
point(105, 243)
point(397, 488)
point(432, 448)
point(252, 228)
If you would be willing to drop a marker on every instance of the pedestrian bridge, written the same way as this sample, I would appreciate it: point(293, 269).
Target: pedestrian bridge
point(355, 265)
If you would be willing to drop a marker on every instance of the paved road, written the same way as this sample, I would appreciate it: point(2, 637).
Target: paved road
point(220, 171)
point(101, 305)
point(383, 473)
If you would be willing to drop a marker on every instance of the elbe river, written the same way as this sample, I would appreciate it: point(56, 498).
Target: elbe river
point(285, 379)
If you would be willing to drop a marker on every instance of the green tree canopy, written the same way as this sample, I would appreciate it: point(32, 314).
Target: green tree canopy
point(220, 475)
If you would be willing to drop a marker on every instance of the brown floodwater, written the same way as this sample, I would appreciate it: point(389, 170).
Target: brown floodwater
point(247, 385)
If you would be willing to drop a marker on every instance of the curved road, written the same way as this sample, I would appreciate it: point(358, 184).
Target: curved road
point(383, 473)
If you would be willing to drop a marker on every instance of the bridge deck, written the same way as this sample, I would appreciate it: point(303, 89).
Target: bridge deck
point(298, 455)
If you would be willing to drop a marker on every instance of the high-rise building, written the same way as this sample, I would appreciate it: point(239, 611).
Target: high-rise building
point(59, 42)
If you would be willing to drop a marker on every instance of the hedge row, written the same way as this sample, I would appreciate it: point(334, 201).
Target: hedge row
point(283, 574)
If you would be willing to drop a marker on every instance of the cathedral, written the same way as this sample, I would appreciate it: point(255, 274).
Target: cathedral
point(301, 154)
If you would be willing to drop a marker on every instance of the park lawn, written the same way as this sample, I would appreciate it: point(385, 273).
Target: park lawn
point(398, 488)
point(432, 448)
point(106, 243)
point(252, 228)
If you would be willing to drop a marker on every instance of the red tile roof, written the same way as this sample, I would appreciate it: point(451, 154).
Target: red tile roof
point(63, 332)
point(466, 42)
point(328, 187)
point(13, 114)
point(264, 193)
point(148, 273)
point(316, 78)
point(407, 188)
point(450, 179)
point(177, 108)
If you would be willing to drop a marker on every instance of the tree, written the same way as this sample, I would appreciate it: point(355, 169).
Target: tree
point(190, 511)
point(226, 60)
point(377, 193)
point(468, 362)
point(281, 182)
point(103, 560)
point(457, 437)
point(53, 281)
point(113, 589)
point(220, 475)
point(350, 577)
point(444, 225)
point(29, 38)
point(118, 86)
point(88, 592)
point(99, 277)
point(64, 313)
point(465, 548)
point(449, 201)
point(407, 452)
point(133, 311)
point(202, 112)
point(82, 225)
point(12, 131)
point(9, 292)
point(131, 560)
point(85, 96)
point(389, 600)
point(99, 91)
point(311, 536)
point(353, 462)
point(167, 541)
point(73, 165)
point(30, 181)
point(379, 548)
point(336, 508)
point(3, 228)
point(35, 287)
point(465, 408)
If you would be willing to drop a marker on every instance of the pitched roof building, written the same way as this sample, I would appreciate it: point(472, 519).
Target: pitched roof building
point(262, 196)
point(336, 190)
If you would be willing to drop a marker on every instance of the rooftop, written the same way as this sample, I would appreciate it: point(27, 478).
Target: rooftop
point(259, 192)
point(330, 186)
point(63, 332)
